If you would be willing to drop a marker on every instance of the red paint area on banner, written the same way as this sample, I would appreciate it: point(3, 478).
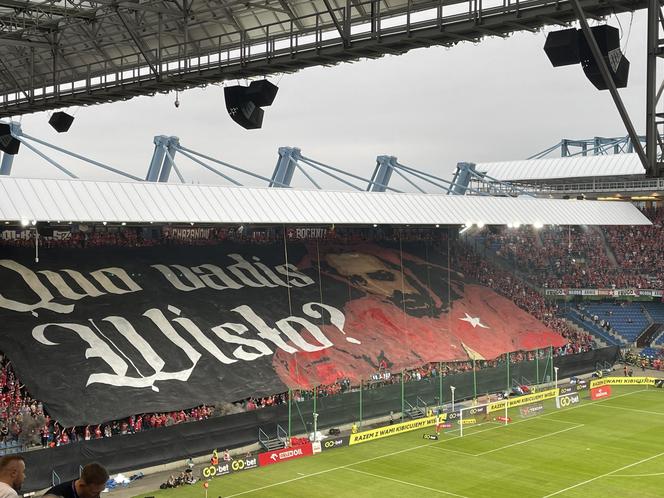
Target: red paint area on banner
point(482, 320)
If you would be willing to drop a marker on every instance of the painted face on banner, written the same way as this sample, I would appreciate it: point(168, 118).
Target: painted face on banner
point(405, 322)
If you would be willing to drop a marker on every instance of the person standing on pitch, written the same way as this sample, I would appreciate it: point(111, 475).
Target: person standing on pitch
point(12, 475)
point(90, 485)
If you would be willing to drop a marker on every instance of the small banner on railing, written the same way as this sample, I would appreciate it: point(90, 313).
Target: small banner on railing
point(623, 381)
point(391, 430)
point(522, 400)
point(332, 443)
point(605, 292)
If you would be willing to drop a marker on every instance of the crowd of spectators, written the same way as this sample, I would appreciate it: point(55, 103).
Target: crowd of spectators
point(524, 296)
point(579, 257)
point(639, 248)
point(519, 246)
point(24, 420)
point(30, 425)
point(83, 236)
point(569, 257)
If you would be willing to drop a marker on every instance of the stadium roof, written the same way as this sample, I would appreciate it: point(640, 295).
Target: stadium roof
point(608, 165)
point(24, 199)
point(58, 53)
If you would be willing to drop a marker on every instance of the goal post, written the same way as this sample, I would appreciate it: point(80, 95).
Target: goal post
point(503, 411)
point(474, 415)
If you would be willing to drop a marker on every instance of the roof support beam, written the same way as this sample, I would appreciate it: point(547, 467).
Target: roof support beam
point(608, 80)
point(137, 7)
point(11, 76)
point(360, 8)
point(23, 43)
point(100, 50)
point(228, 14)
point(337, 24)
point(139, 44)
point(291, 14)
point(49, 10)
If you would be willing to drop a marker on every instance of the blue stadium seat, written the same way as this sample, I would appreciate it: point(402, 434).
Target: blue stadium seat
point(627, 321)
point(590, 327)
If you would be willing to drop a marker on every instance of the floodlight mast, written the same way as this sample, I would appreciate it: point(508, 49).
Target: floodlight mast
point(608, 81)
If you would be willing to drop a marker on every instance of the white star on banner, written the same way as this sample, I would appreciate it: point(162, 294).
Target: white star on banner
point(474, 321)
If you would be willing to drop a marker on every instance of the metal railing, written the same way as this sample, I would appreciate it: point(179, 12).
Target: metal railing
point(263, 438)
point(222, 54)
point(652, 185)
point(282, 435)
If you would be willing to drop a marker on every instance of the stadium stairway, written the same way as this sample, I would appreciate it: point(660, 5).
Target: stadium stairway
point(599, 343)
point(655, 312)
point(414, 412)
point(613, 262)
point(653, 331)
point(659, 340)
point(272, 442)
point(596, 331)
point(627, 321)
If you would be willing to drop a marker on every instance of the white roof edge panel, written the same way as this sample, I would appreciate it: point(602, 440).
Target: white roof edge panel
point(564, 167)
point(268, 206)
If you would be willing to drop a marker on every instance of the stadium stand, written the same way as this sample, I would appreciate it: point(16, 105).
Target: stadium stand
point(594, 329)
point(583, 257)
point(625, 319)
point(552, 257)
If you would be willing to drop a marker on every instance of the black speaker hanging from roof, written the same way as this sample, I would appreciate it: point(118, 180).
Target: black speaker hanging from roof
point(569, 46)
point(241, 109)
point(608, 41)
point(262, 92)
point(562, 47)
point(61, 121)
point(8, 144)
point(244, 103)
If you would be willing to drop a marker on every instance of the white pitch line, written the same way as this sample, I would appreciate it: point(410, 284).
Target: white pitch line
point(605, 475)
point(637, 475)
point(407, 483)
point(420, 446)
point(528, 440)
point(561, 421)
point(631, 409)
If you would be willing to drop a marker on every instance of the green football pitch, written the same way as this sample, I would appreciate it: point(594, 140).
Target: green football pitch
point(608, 448)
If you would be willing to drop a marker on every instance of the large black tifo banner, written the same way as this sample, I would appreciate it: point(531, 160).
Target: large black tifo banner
point(178, 442)
point(105, 332)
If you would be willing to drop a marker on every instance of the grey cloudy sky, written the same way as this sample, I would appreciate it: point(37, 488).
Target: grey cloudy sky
point(496, 100)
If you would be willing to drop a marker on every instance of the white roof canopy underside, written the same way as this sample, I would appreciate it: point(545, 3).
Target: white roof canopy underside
point(564, 167)
point(143, 202)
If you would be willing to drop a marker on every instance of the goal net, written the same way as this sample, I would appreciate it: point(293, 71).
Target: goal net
point(463, 417)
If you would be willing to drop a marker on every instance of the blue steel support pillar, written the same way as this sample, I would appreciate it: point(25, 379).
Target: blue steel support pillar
point(285, 168)
point(171, 146)
point(160, 142)
point(461, 179)
point(6, 165)
point(8, 159)
point(382, 173)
